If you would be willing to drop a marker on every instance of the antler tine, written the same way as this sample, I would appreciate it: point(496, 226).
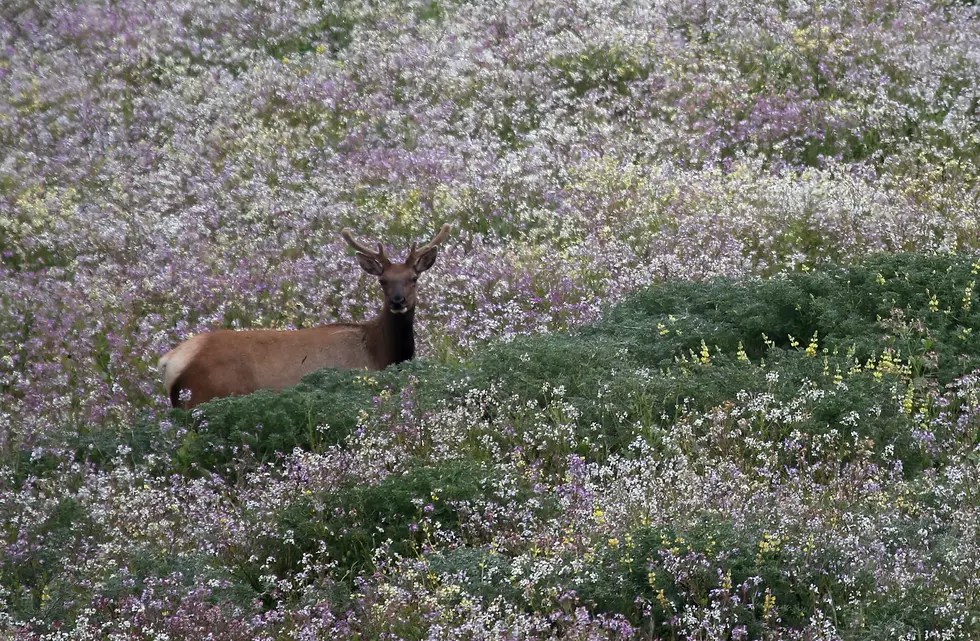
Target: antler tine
point(441, 236)
point(379, 255)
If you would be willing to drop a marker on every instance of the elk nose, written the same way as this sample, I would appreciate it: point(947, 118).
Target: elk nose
point(397, 300)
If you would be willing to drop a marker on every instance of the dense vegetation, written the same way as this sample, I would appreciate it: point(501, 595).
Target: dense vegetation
point(756, 455)
point(700, 360)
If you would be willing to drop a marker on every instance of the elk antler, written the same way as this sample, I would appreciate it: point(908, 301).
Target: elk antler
point(414, 254)
point(364, 249)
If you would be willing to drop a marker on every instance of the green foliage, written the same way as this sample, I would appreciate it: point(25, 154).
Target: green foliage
point(321, 411)
point(651, 574)
point(893, 328)
point(855, 307)
point(338, 23)
point(749, 574)
point(345, 525)
point(483, 572)
point(31, 579)
point(600, 67)
point(864, 350)
point(29, 238)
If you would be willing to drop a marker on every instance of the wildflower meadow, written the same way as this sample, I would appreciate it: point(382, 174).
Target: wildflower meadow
point(700, 359)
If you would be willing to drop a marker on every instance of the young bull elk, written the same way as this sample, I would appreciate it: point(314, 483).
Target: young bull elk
point(231, 363)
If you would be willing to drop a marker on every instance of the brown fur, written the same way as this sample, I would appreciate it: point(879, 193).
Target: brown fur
point(229, 363)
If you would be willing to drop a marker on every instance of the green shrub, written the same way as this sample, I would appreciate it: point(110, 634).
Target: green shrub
point(711, 561)
point(481, 571)
point(320, 411)
point(895, 326)
point(32, 580)
point(346, 525)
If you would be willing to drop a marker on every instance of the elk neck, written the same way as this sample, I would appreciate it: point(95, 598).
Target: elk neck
point(392, 337)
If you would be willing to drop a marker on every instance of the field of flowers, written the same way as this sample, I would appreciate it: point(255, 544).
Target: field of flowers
point(701, 359)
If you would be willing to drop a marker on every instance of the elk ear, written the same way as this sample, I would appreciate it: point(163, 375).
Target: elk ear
point(369, 264)
point(426, 260)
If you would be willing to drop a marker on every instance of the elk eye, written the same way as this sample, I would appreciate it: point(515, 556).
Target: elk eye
point(383, 281)
point(415, 279)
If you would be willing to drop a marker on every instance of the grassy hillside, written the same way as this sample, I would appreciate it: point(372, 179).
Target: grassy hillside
point(769, 457)
point(698, 360)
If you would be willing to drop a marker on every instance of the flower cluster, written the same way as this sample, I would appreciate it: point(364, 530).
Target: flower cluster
point(170, 168)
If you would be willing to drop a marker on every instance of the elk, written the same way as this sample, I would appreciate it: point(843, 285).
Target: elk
point(231, 363)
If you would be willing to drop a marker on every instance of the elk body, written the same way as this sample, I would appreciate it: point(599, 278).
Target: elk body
point(231, 363)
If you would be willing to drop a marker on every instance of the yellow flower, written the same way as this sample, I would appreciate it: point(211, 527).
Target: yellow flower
point(741, 355)
point(811, 349)
point(769, 604)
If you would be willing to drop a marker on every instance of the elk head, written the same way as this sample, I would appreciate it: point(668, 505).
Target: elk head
point(398, 280)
